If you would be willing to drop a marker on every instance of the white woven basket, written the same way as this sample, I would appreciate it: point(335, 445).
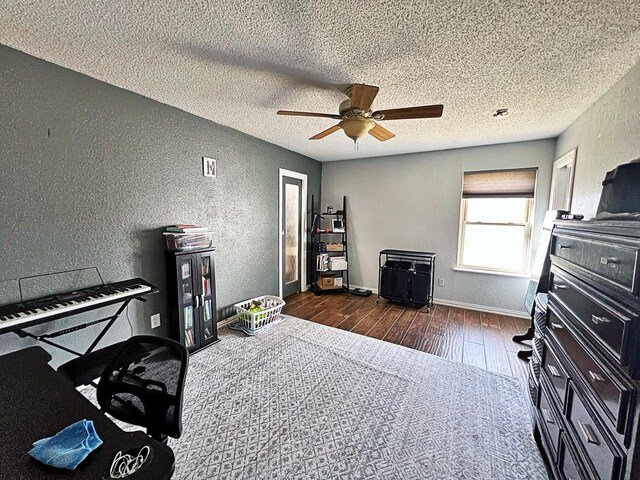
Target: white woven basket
point(252, 322)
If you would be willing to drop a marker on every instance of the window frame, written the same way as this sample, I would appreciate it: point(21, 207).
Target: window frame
point(528, 229)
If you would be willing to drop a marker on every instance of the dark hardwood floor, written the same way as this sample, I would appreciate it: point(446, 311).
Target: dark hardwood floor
point(468, 336)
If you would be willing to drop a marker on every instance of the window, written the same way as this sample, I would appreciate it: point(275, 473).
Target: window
point(495, 220)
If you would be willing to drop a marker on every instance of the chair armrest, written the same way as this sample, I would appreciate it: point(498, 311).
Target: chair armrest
point(85, 369)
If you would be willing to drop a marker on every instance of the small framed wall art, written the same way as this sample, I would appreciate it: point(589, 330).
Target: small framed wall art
point(209, 168)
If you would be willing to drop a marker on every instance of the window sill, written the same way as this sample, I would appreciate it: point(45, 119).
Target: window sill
point(491, 272)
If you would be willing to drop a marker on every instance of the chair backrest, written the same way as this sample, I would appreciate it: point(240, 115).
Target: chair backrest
point(144, 383)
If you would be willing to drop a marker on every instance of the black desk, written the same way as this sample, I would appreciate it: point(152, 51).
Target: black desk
point(37, 402)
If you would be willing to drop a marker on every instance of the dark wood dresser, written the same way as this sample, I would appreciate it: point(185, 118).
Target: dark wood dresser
point(586, 403)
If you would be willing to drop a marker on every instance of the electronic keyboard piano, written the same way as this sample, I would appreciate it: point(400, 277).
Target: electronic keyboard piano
point(17, 316)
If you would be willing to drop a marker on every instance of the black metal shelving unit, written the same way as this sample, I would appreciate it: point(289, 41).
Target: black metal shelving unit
point(320, 220)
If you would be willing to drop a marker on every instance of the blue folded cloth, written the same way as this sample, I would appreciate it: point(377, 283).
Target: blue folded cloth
point(68, 447)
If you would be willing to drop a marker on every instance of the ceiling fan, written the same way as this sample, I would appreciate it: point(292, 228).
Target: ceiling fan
point(357, 119)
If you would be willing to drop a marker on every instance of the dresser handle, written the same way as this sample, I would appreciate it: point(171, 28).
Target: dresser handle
point(559, 286)
point(557, 326)
point(547, 415)
point(596, 377)
point(608, 260)
point(554, 371)
point(588, 433)
point(599, 320)
point(564, 246)
point(197, 297)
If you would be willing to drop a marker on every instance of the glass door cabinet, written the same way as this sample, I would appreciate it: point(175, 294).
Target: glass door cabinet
point(193, 305)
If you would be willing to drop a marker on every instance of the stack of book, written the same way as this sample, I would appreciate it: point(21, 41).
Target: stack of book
point(187, 237)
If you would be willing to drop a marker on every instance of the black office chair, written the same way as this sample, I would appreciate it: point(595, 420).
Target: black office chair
point(143, 385)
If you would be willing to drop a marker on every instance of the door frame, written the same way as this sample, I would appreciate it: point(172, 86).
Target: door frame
point(282, 172)
point(566, 161)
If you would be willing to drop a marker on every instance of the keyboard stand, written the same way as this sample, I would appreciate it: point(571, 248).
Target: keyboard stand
point(111, 319)
point(21, 316)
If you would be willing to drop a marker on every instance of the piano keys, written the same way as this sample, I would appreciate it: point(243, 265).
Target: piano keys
point(17, 316)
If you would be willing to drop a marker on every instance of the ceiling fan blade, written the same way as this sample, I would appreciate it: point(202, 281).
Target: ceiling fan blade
point(426, 111)
point(362, 96)
point(326, 132)
point(381, 133)
point(309, 114)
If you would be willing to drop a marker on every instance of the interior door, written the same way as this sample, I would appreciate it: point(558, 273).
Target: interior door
point(291, 205)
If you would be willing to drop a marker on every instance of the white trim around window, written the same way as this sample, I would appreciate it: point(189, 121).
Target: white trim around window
point(527, 224)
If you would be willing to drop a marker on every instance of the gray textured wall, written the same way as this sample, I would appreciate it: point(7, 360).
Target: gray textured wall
point(606, 135)
point(412, 202)
point(117, 168)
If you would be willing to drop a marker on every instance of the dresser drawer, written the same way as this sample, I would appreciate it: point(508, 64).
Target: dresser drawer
point(569, 464)
point(610, 389)
point(568, 248)
point(609, 322)
point(614, 262)
point(555, 373)
point(549, 420)
point(605, 458)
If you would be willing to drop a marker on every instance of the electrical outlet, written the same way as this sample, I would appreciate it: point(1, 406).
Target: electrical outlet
point(155, 320)
point(441, 282)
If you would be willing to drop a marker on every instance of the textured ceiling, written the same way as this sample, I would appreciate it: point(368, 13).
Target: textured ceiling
point(237, 62)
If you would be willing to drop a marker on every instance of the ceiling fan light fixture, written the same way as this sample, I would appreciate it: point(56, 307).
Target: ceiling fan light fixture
point(357, 118)
point(357, 127)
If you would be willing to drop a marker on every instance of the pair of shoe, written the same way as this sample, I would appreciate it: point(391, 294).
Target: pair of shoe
point(524, 354)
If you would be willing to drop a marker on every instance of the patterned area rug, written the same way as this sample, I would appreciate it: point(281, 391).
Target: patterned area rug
point(306, 401)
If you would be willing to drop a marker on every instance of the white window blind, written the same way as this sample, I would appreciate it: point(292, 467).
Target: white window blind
point(519, 183)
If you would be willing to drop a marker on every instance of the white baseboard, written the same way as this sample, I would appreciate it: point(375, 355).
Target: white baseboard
point(468, 306)
point(482, 308)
